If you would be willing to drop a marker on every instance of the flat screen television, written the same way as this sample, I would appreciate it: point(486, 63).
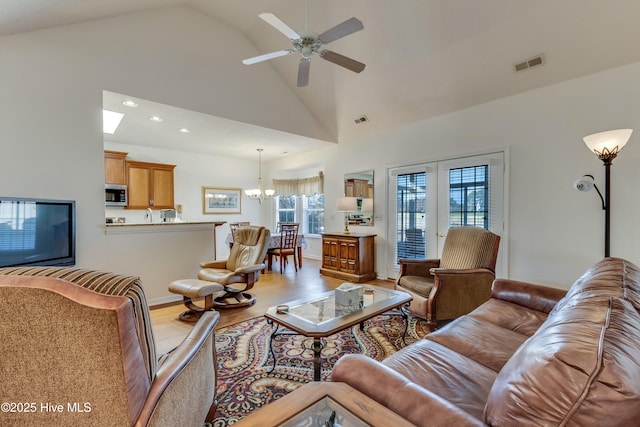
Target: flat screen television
point(37, 232)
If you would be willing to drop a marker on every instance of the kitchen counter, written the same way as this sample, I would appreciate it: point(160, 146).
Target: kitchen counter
point(147, 224)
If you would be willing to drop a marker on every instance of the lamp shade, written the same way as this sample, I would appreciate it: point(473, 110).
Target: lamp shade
point(608, 143)
point(367, 205)
point(347, 204)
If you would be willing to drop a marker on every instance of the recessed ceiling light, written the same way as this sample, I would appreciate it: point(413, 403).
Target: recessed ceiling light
point(129, 103)
point(184, 130)
point(110, 121)
point(155, 119)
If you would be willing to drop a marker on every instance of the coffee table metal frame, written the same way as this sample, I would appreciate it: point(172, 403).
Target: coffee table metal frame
point(317, 330)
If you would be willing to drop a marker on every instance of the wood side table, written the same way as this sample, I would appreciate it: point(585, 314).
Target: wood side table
point(316, 401)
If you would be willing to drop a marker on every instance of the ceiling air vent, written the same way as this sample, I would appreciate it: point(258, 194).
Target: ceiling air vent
point(530, 63)
point(361, 119)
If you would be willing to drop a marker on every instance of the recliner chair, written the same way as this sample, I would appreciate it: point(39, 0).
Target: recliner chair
point(446, 288)
point(241, 270)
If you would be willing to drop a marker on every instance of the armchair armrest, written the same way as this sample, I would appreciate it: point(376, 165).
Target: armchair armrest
point(214, 264)
point(417, 267)
point(387, 387)
point(458, 292)
point(250, 269)
point(186, 379)
point(530, 295)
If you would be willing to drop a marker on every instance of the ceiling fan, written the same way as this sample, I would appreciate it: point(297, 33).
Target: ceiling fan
point(307, 43)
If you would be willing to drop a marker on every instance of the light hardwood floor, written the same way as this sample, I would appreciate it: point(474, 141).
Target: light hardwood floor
point(272, 289)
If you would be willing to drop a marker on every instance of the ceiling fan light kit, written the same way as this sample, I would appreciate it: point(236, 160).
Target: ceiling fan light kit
point(308, 43)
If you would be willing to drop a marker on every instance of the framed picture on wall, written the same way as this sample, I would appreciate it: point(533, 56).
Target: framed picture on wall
point(221, 200)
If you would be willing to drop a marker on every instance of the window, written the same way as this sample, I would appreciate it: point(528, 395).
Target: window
point(309, 212)
point(286, 209)
point(469, 196)
point(314, 213)
point(411, 213)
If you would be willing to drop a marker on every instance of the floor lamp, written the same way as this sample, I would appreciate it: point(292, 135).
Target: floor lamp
point(606, 146)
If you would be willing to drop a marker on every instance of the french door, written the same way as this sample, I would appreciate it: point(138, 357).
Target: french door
point(426, 200)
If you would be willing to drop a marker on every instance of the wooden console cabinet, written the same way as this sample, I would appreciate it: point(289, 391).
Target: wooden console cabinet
point(349, 256)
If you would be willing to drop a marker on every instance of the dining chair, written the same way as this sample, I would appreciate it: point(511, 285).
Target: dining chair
point(288, 245)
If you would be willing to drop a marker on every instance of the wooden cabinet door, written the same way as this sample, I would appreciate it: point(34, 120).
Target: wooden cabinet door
point(348, 255)
point(330, 253)
point(150, 185)
point(162, 188)
point(114, 167)
point(138, 186)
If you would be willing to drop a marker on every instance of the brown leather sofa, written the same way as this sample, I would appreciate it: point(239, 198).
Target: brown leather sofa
point(531, 355)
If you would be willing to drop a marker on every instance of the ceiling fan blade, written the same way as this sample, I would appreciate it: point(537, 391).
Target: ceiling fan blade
point(303, 72)
point(276, 23)
point(266, 57)
point(343, 61)
point(349, 26)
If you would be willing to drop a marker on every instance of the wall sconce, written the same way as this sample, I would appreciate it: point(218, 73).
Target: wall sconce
point(346, 204)
point(606, 146)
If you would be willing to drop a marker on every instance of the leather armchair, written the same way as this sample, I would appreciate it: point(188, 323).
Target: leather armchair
point(241, 270)
point(83, 349)
point(446, 288)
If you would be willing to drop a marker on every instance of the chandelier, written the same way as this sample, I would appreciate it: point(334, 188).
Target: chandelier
point(260, 193)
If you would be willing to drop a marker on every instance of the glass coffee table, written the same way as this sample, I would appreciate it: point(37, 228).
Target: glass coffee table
point(321, 404)
point(319, 317)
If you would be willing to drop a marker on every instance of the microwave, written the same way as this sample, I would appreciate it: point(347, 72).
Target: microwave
point(115, 195)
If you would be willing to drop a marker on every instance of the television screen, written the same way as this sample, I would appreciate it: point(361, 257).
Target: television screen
point(37, 232)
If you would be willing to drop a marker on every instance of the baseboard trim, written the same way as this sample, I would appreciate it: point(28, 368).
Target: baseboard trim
point(167, 301)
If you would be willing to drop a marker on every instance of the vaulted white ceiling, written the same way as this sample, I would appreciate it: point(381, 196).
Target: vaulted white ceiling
point(424, 57)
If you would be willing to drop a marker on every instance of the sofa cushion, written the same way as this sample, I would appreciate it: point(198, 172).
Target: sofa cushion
point(581, 367)
point(485, 342)
point(517, 318)
point(454, 377)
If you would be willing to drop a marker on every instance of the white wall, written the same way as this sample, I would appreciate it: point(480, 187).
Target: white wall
point(52, 80)
point(555, 232)
point(51, 83)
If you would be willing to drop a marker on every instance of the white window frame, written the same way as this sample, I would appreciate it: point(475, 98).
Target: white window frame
point(300, 213)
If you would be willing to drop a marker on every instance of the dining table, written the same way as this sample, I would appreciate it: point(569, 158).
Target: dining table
point(274, 242)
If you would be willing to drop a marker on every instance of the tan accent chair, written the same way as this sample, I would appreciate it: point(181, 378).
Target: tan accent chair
point(241, 270)
point(65, 344)
point(444, 289)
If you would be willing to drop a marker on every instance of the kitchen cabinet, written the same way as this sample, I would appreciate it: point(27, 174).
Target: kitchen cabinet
point(349, 256)
point(354, 187)
point(149, 185)
point(114, 167)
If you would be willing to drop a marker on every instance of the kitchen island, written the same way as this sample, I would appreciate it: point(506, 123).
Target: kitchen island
point(161, 252)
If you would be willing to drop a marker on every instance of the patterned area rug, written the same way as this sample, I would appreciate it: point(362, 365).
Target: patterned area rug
point(245, 382)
